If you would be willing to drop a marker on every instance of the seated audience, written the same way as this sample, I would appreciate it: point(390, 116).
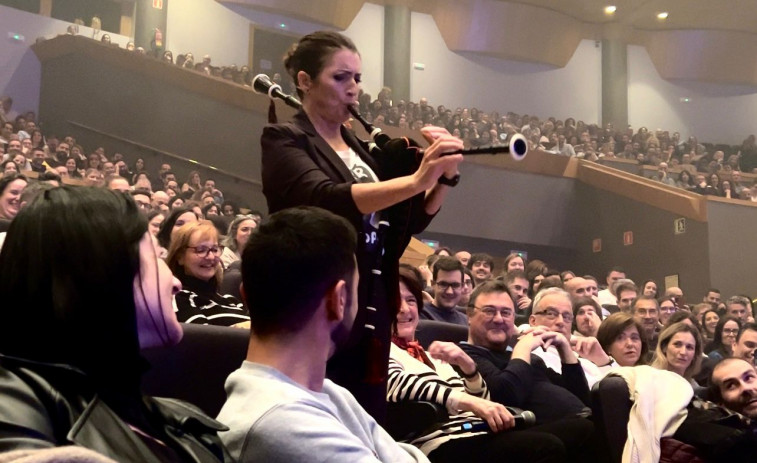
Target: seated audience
point(710, 319)
point(586, 316)
point(154, 219)
point(194, 257)
point(553, 310)
point(70, 371)
point(240, 230)
point(175, 220)
point(726, 332)
point(621, 337)
point(445, 375)
point(280, 406)
point(514, 261)
point(746, 343)
point(468, 287)
point(667, 309)
point(679, 350)
point(734, 382)
point(192, 185)
point(646, 312)
point(448, 280)
point(11, 187)
point(518, 379)
point(482, 266)
point(517, 283)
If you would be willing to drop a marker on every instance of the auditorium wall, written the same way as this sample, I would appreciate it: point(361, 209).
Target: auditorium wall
point(714, 113)
point(205, 27)
point(656, 251)
point(495, 210)
point(733, 256)
point(19, 67)
point(492, 84)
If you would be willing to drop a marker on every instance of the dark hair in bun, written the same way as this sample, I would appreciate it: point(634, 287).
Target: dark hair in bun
point(312, 51)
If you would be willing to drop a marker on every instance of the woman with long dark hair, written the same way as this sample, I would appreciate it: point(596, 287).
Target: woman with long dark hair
point(726, 332)
point(83, 293)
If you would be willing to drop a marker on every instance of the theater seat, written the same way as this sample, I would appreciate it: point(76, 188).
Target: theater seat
point(429, 331)
point(195, 370)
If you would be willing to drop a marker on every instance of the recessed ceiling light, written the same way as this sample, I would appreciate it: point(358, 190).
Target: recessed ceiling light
point(610, 9)
point(663, 15)
point(283, 26)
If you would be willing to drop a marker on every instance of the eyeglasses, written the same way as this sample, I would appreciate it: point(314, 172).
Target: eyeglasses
point(204, 251)
point(490, 311)
point(552, 314)
point(730, 331)
point(444, 286)
point(646, 312)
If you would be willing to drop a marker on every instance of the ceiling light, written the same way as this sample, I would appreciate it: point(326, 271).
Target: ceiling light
point(610, 9)
point(663, 15)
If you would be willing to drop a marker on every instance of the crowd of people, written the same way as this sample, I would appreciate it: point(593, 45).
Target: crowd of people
point(332, 314)
point(699, 167)
point(709, 343)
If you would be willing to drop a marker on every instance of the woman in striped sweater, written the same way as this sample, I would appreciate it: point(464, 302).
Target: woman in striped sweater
point(477, 429)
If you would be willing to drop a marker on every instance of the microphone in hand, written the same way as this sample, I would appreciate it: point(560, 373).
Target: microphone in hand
point(523, 419)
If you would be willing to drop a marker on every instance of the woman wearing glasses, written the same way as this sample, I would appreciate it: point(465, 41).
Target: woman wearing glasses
point(726, 332)
point(194, 257)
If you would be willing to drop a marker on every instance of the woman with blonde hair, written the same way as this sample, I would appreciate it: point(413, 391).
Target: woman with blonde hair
point(679, 350)
point(194, 257)
point(193, 183)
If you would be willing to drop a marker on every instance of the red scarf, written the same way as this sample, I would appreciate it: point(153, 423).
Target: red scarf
point(415, 350)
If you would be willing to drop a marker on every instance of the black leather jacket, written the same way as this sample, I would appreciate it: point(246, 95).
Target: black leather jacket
point(48, 405)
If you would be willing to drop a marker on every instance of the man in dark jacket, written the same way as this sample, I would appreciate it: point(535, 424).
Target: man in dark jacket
point(516, 378)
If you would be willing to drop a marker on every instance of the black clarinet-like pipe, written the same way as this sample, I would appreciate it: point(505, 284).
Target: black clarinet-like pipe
point(378, 138)
point(517, 147)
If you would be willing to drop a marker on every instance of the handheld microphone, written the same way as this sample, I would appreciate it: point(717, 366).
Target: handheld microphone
point(263, 85)
point(524, 419)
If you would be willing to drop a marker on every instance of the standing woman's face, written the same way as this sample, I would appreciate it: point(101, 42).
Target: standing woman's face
point(335, 88)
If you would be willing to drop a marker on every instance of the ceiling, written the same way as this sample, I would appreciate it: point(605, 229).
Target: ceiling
point(737, 15)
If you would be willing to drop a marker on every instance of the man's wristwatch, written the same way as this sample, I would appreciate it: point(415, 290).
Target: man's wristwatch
point(451, 182)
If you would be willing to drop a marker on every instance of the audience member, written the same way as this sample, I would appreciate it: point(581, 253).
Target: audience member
point(448, 283)
point(86, 388)
point(586, 316)
point(194, 257)
point(482, 266)
point(726, 332)
point(621, 337)
point(175, 220)
point(746, 343)
point(737, 307)
point(517, 378)
point(679, 350)
point(239, 233)
point(11, 186)
point(280, 406)
point(606, 297)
